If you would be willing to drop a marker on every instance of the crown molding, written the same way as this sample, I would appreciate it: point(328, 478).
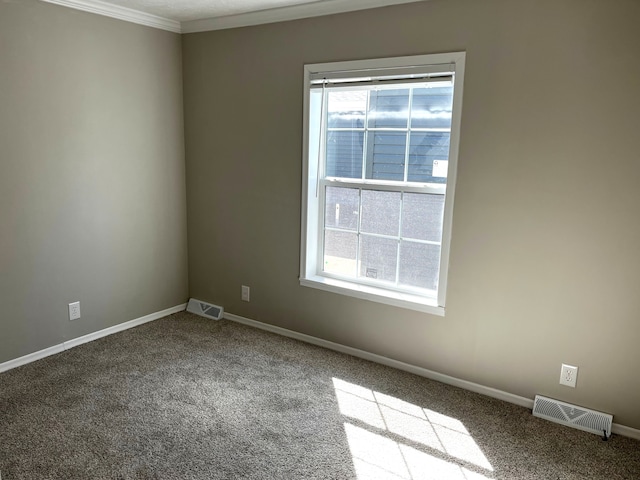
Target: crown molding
point(121, 13)
point(272, 15)
point(294, 12)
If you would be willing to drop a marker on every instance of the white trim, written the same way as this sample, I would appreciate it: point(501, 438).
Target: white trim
point(272, 15)
point(32, 357)
point(123, 326)
point(282, 14)
point(625, 431)
point(423, 372)
point(373, 294)
point(121, 13)
point(454, 141)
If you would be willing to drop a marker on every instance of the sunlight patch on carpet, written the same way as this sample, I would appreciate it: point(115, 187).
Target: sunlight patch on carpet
point(392, 439)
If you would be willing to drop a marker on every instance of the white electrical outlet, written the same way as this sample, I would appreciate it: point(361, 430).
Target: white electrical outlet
point(74, 311)
point(568, 375)
point(245, 293)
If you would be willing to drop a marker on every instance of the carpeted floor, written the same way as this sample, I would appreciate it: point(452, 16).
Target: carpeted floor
point(189, 398)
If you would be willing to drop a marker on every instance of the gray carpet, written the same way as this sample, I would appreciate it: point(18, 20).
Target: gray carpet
point(189, 398)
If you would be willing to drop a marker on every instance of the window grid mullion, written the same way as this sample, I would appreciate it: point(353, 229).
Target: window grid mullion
point(358, 236)
point(390, 237)
point(408, 137)
point(387, 129)
point(365, 146)
point(390, 129)
point(376, 235)
point(420, 241)
point(398, 238)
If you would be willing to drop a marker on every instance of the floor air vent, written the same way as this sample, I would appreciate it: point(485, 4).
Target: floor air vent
point(205, 309)
point(572, 415)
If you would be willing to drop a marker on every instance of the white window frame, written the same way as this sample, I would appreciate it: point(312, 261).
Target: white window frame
point(311, 274)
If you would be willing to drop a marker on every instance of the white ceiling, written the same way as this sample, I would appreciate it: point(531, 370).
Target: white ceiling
point(185, 16)
point(186, 10)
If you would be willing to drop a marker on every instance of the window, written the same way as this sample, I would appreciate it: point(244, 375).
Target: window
point(380, 152)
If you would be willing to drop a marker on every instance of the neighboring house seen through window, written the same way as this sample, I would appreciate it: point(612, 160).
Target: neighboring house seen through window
point(381, 142)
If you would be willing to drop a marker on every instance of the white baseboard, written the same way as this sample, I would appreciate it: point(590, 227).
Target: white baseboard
point(625, 431)
point(423, 372)
point(32, 357)
point(123, 326)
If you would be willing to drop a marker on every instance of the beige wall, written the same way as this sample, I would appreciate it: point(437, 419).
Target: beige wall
point(545, 259)
point(92, 185)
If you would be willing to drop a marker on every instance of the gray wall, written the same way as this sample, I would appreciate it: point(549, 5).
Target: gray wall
point(92, 184)
point(545, 258)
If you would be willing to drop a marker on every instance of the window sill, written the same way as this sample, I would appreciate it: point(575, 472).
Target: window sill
point(366, 292)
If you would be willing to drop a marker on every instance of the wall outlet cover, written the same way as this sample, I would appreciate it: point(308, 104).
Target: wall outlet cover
point(568, 375)
point(74, 311)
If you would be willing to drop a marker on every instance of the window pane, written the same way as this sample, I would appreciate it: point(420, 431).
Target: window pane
point(422, 216)
point(385, 155)
point(378, 258)
point(344, 154)
point(346, 109)
point(424, 148)
point(389, 108)
point(380, 212)
point(340, 252)
point(431, 107)
point(419, 265)
point(341, 207)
